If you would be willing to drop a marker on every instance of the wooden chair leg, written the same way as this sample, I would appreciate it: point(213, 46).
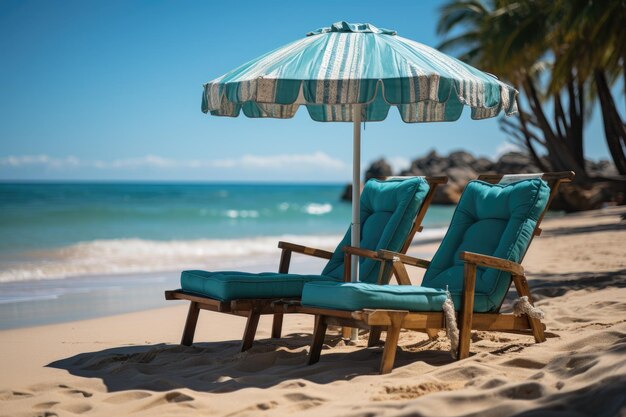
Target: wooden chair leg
point(391, 342)
point(277, 325)
point(374, 336)
point(467, 310)
point(250, 331)
point(190, 324)
point(318, 340)
point(433, 334)
point(521, 285)
point(346, 332)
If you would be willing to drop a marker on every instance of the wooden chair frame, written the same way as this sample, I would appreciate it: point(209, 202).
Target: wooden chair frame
point(430, 322)
point(252, 309)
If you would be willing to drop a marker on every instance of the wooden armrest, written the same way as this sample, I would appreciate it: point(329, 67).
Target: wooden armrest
point(388, 255)
point(492, 262)
point(320, 253)
point(366, 253)
point(348, 251)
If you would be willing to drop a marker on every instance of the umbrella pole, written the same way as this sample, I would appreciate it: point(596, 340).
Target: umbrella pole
point(356, 198)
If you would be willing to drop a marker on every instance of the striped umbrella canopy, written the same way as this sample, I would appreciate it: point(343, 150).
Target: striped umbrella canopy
point(353, 73)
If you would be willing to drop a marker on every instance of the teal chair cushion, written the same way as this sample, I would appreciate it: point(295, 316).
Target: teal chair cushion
point(388, 211)
point(232, 285)
point(490, 219)
point(353, 296)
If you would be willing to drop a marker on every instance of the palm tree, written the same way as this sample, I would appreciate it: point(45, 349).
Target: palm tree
point(592, 36)
point(514, 40)
point(582, 42)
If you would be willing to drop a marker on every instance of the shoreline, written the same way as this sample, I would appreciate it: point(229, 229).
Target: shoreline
point(59, 300)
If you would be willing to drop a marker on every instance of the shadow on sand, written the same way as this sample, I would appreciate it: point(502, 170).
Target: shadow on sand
point(220, 367)
point(611, 227)
point(549, 286)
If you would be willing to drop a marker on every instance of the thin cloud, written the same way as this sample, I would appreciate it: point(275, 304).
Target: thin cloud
point(317, 160)
point(39, 160)
point(153, 161)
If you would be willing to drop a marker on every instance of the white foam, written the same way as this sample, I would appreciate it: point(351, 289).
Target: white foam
point(127, 256)
point(235, 214)
point(318, 209)
point(131, 256)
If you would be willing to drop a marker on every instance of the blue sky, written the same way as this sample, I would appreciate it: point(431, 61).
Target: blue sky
point(97, 90)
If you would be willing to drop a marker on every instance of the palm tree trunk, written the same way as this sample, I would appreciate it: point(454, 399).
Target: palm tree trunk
point(614, 129)
point(576, 111)
point(560, 151)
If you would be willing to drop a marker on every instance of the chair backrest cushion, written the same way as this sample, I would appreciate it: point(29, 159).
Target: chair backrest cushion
point(490, 219)
point(388, 211)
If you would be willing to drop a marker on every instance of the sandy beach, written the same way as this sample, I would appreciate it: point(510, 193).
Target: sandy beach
point(132, 364)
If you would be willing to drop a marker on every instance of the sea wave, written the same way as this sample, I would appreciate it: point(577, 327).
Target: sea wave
point(318, 209)
point(124, 256)
point(130, 256)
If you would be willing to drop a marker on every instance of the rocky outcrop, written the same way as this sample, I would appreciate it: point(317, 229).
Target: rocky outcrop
point(461, 167)
point(379, 168)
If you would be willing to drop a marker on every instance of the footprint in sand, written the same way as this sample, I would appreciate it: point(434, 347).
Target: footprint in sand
point(168, 398)
point(296, 384)
point(524, 363)
point(126, 397)
point(464, 373)
point(267, 406)
point(177, 397)
point(523, 391)
point(493, 383)
point(303, 401)
point(76, 408)
point(47, 404)
point(407, 392)
point(567, 366)
point(251, 410)
point(14, 395)
point(78, 393)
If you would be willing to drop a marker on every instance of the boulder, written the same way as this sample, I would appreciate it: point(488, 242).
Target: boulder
point(379, 168)
point(515, 162)
point(461, 159)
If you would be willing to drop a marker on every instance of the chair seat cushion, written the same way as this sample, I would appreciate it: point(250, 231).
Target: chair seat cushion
point(354, 296)
point(233, 285)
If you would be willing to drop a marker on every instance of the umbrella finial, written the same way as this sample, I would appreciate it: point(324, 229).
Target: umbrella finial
point(344, 26)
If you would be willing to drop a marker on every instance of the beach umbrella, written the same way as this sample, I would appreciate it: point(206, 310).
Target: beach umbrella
point(355, 73)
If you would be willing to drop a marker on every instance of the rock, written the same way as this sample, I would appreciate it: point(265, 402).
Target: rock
point(347, 193)
point(461, 167)
point(515, 162)
point(431, 164)
point(379, 168)
point(461, 159)
point(483, 165)
point(601, 168)
point(577, 197)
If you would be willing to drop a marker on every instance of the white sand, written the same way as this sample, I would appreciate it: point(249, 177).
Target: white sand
point(132, 365)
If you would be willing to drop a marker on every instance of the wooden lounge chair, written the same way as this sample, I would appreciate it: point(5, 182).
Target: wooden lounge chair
point(498, 222)
point(392, 211)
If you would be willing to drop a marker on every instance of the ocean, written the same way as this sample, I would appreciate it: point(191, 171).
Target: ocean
point(60, 240)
